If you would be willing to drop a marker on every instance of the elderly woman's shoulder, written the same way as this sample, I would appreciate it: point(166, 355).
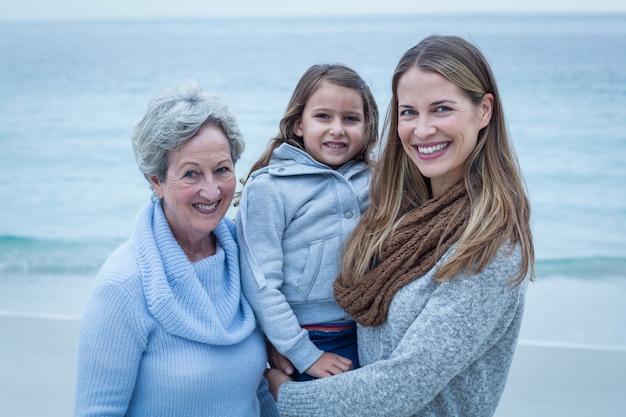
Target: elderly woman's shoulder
point(121, 265)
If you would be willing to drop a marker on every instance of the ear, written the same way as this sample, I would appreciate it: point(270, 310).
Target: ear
point(297, 128)
point(485, 109)
point(158, 188)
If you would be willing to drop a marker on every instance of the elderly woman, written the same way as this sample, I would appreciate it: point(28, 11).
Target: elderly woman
point(167, 331)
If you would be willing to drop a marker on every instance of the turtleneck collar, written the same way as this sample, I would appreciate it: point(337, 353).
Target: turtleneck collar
point(200, 301)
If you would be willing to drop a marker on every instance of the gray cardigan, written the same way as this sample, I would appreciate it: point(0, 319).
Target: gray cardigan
point(445, 350)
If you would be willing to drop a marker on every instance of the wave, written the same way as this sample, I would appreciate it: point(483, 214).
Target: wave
point(26, 255)
point(582, 268)
point(39, 316)
point(569, 345)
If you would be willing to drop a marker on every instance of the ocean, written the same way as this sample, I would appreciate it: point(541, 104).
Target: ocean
point(71, 92)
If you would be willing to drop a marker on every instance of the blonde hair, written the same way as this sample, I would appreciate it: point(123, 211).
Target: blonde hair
point(500, 209)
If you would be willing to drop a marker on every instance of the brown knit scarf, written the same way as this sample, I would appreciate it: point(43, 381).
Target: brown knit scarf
point(411, 251)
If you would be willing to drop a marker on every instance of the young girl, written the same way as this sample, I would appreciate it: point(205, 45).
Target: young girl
point(301, 200)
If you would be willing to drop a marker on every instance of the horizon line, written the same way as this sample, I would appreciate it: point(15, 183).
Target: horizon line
point(110, 17)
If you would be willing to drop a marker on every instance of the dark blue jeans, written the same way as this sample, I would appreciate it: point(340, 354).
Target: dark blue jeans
point(342, 343)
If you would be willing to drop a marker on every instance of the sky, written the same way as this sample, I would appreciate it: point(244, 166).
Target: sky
point(157, 9)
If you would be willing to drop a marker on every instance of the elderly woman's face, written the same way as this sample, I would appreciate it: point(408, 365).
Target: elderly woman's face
point(199, 185)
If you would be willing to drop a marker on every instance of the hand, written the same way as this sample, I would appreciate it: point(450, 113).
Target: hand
point(275, 378)
point(329, 364)
point(278, 361)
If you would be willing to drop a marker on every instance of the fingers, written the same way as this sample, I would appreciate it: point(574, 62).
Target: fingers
point(285, 365)
point(329, 364)
point(339, 365)
point(278, 361)
point(275, 378)
point(346, 362)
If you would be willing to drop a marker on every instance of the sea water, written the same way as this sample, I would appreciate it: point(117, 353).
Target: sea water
point(71, 92)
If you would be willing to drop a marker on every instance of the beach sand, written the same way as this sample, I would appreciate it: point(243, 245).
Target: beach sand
point(555, 380)
point(37, 366)
point(38, 370)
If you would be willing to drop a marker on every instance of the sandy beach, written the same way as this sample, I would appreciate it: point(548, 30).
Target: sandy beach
point(38, 367)
point(554, 380)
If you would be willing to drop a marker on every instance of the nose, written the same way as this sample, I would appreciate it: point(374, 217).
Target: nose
point(336, 128)
point(210, 188)
point(423, 127)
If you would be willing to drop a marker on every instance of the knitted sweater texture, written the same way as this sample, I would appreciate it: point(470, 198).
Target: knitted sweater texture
point(162, 336)
point(444, 350)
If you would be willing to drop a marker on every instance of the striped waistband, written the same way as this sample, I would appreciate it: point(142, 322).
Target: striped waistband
point(332, 326)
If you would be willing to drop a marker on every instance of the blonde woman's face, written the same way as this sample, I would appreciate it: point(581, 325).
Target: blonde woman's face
point(438, 125)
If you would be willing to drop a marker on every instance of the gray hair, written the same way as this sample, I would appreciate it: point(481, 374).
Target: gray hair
point(175, 116)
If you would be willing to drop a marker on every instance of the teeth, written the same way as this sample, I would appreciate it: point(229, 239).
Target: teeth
point(335, 145)
point(429, 150)
point(206, 206)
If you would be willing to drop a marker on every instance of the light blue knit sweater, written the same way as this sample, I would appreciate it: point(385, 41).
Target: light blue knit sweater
point(164, 337)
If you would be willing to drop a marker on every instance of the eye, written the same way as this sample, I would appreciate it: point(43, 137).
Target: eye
point(191, 174)
point(442, 109)
point(322, 116)
point(353, 119)
point(223, 170)
point(407, 112)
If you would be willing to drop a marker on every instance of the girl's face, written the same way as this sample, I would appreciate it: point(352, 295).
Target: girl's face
point(438, 125)
point(332, 124)
point(199, 185)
